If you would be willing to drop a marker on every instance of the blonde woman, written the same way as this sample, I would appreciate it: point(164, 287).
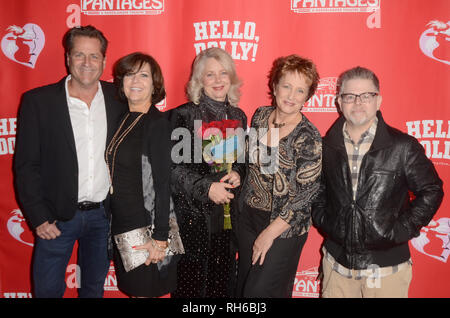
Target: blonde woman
point(208, 267)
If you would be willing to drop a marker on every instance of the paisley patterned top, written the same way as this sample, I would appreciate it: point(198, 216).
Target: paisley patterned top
point(286, 187)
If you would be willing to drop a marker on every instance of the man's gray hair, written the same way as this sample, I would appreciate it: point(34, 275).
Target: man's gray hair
point(357, 72)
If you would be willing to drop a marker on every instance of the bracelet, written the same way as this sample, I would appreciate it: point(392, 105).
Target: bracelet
point(159, 248)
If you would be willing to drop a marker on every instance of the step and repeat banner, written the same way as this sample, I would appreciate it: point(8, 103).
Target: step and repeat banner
point(406, 43)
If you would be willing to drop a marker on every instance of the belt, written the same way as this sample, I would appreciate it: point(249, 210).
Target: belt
point(88, 205)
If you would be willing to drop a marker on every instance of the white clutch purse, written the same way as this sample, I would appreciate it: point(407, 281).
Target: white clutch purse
point(132, 258)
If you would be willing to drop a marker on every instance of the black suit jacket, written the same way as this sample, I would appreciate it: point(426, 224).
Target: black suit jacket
point(45, 160)
point(156, 148)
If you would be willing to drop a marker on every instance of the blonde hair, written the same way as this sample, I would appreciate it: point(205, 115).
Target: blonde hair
point(194, 86)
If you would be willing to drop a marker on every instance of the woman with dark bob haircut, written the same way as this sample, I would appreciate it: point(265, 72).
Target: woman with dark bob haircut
point(275, 203)
point(138, 158)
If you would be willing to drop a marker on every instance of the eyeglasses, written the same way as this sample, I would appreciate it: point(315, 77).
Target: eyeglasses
point(363, 97)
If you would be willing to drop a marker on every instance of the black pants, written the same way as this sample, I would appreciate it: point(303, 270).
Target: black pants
point(275, 278)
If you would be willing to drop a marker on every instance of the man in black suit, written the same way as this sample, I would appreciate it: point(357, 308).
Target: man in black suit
point(61, 176)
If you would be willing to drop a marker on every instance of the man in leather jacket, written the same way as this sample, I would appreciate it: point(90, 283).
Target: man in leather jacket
point(365, 209)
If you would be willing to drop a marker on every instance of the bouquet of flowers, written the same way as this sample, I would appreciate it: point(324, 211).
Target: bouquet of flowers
point(221, 148)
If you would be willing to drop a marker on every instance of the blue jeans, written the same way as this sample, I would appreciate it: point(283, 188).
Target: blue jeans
point(51, 257)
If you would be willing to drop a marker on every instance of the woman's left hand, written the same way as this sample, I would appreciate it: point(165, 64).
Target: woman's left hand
point(261, 246)
point(265, 239)
point(155, 254)
point(232, 178)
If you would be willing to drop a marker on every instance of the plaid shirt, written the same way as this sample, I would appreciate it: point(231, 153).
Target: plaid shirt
point(355, 153)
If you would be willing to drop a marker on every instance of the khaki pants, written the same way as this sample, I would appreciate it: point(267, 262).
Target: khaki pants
point(334, 285)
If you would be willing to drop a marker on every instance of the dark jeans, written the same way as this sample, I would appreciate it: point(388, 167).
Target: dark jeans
point(51, 257)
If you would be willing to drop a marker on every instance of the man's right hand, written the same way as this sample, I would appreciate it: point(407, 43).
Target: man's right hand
point(48, 231)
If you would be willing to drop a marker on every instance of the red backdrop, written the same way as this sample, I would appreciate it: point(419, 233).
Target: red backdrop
point(406, 43)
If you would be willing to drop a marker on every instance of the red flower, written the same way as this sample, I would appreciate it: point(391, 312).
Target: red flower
point(214, 127)
point(230, 124)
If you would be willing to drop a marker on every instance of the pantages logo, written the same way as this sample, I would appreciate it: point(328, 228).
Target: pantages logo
point(236, 37)
point(73, 278)
point(434, 135)
point(122, 7)
point(111, 279)
point(306, 283)
point(320, 6)
point(324, 98)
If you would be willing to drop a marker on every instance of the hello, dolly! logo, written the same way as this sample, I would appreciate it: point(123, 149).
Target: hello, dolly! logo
point(18, 229)
point(435, 41)
point(434, 240)
point(239, 38)
point(23, 44)
point(434, 136)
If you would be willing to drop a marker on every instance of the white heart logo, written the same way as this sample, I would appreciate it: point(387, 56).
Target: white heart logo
point(23, 44)
point(434, 41)
point(18, 229)
point(434, 240)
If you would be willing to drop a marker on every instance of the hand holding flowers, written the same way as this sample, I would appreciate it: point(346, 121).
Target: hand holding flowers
point(220, 149)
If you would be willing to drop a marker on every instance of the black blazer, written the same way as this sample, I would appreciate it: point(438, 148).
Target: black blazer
point(45, 160)
point(156, 148)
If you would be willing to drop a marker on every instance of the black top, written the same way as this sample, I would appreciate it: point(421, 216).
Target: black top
point(135, 200)
point(127, 203)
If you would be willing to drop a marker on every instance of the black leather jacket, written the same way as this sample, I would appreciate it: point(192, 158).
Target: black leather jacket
point(375, 227)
